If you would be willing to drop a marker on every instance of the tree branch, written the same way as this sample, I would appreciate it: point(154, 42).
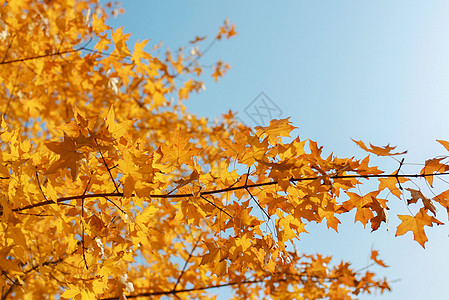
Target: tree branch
point(186, 263)
point(174, 292)
point(285, 277)
point(82, 48)
point(229, 189)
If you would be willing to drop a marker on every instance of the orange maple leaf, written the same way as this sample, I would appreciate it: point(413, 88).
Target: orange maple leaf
point(417, 195)
point(374, 256)
point(69, 156)
point(197, 39)
point(329, 214)
point(416, 225)
point(390, 184)
point(379, 151)
point(363, 215)
point(434, 166)
point(444, 143)
point(358, 201)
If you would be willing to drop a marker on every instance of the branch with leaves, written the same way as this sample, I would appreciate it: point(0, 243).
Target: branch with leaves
point(110, 190)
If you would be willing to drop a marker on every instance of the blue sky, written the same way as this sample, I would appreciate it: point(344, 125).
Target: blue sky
point(376, 71)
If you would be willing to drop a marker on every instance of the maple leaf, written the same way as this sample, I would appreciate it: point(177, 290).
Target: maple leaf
point(417, 195)
point(363, 168)
point(138, 53)
point(328, 212)
point(72, 292)
point(443, 199)
point(197, 39)
point(376, 221)
point(98, 24)
point(185, 91)
point(219, 70)
point(444, 143)
point(416, 225)
point(276, 129)
point(69, 157)
point(182, 182)
point(363, 215)
point(434, 166)
point(390, 184)
point(5, 263)
point(375, 257)
point(117, 129)
point(288, 227)
point(216, 254)
point(179, 151)
point(358, 201)
point(120, 41)
point(379, 151)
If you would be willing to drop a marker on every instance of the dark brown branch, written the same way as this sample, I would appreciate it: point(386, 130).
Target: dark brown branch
point(219, 208)
point(10, 288)
point(258, 204)
point(284, 277)
point(82, 225)
point(59, 53)
point(252, 197)
point(397, 173)
point(40, 187)
point(28, 272)
point(174, 292)
point(107, 167)
point(113, 203)
point(229, 189)
point(42, 56)
point(186, 263)
point(7, 49)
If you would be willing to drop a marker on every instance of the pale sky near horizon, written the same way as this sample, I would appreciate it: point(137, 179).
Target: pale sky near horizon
point(376, 71)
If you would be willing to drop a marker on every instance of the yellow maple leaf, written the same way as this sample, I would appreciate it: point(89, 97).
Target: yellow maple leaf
point(117, 129)
point(120, 41)
point(179, 151)
point(72, 292)
point(276, 129)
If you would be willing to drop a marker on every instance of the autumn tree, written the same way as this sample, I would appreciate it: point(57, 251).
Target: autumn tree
point(111, 190)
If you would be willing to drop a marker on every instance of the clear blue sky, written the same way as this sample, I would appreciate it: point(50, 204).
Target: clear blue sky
point(371, 70)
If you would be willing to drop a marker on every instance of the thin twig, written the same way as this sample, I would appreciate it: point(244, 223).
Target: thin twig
point(82, 225)
point(9, 47)
point(252, 197)
point(197, 58)
point(58, 53)
point(219, 208)
point(118, 207)
point(40, 187)
point(397, 173)
point(106, 165)
point(186, 262)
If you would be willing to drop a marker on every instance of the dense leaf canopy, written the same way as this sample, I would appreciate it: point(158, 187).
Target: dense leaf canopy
point(110, 188)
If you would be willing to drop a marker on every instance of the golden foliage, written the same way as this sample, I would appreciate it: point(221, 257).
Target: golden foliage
point(108, 189)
